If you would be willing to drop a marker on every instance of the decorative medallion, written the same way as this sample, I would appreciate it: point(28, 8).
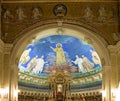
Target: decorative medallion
point(60, 10)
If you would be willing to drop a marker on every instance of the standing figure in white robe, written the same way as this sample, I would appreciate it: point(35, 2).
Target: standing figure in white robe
point(95, 57)
point(32, 64)
point(79, 62)
point(39, 66)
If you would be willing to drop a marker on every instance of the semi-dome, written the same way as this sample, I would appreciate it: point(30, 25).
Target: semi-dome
point(55, 53)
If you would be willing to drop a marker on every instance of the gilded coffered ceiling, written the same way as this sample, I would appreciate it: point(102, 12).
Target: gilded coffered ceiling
point(102, 15)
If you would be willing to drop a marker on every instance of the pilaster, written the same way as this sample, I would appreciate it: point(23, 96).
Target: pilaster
point(6, 70)
point(7, 51)
point(114, 51)
point(1, 62)
point(13, 96)
point(115, 63)
point(0, 21)
point(106, 85)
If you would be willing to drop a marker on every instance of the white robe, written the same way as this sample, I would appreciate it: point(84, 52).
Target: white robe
point(39, 66)
point(79, 62)
point(95, 58)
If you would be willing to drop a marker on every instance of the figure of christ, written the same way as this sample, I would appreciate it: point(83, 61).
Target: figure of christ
point(60, 55)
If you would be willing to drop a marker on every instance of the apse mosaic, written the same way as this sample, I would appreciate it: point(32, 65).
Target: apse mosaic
point(59, 53)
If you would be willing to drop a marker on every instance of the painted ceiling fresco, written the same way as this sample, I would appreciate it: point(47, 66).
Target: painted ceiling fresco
point(59, 53)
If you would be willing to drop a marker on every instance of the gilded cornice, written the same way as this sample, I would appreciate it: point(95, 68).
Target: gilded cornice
point(59, 1)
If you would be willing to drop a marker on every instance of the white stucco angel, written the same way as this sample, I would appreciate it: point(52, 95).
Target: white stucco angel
point(88, 14)
point(36, 13)
point(20, 14)
point(7, 15)
point(102, 14)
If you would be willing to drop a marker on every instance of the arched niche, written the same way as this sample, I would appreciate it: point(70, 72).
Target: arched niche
point(79, 31)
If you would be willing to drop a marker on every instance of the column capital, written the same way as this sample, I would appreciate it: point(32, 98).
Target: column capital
point(106, 69)
point(114, 48)
point(7, 48)
point(14, 67)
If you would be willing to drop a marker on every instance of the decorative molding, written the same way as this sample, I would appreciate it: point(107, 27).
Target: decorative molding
point(59, 1)
point(88, 40)
point(16, 15)
point(1, 45)
point(7, 48)
point(103, 61)
point(0, 22)
point(60, 10)
point(114, 48)
point(106, 70)
point(28, 18)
